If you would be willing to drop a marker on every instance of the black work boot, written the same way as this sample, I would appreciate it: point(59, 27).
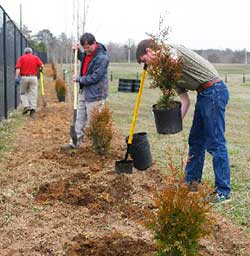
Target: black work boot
point(32, 113)
point(26, 110)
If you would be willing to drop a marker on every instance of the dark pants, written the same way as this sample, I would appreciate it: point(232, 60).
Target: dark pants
point(207, 133)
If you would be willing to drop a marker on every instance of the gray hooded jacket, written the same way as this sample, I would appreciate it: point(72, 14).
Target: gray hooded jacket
point(95, 82)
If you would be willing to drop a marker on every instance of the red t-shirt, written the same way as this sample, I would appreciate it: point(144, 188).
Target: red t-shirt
point(28, 64)
point(87, 61)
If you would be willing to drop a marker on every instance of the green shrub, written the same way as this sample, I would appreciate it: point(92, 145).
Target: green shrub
point(54, 71)
point(60, 88)
point(181, 217)
point(99, 130)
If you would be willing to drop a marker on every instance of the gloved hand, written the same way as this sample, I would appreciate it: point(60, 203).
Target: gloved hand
point(41, 70)
point(17, 81)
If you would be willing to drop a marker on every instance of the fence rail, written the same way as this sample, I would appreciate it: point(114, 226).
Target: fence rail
point(12, 44)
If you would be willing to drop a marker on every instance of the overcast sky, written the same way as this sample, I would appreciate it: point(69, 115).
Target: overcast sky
point(198, 24)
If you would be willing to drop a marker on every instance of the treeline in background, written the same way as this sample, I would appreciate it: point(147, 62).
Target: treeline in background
point(59, 49)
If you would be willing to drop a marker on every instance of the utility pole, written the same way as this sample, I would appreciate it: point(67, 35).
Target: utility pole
point(246, 56)
point(21, 17)
point(129, 47)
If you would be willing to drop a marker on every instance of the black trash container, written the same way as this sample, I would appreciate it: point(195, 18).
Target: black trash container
point(125, 85)
point(128, 85)
point(136, 85)
point(140, 151)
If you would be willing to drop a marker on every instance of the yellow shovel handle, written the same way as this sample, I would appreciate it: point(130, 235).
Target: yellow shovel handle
point(41, 82)
point(138, 100)
point(75, 85)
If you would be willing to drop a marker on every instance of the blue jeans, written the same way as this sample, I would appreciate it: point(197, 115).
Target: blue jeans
point(207, 133)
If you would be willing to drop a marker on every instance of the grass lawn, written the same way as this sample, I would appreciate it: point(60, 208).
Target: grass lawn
point(174, 147)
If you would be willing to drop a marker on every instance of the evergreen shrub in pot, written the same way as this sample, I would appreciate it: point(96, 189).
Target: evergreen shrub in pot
point(165, 71)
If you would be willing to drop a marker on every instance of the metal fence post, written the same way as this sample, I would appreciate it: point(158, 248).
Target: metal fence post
point(64, 74)
point(111, 76)
point(15, 60)
point(21, 45)
point(5, 68)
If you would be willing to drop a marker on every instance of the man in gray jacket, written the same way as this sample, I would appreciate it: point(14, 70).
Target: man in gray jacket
point(93, 84)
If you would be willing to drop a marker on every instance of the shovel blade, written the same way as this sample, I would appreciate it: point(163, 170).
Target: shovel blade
point(73, 134)
point(72, 128)
point(124, 166)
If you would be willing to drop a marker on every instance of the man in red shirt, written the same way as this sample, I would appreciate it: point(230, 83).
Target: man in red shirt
point(26, 68)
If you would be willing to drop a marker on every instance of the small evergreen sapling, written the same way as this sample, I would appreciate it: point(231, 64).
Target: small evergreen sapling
point(181, 216)
point(99, 130)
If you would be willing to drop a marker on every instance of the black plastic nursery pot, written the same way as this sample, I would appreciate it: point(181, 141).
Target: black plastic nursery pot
point(168, 121)
point(140, 152)
point(128, 85)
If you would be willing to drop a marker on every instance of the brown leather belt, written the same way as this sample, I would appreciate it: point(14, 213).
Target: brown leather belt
point(208, 84)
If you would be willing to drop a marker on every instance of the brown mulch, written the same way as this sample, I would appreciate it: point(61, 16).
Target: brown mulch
point(56, 203)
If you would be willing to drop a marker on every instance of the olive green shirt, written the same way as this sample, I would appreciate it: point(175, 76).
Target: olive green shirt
point(196, 69)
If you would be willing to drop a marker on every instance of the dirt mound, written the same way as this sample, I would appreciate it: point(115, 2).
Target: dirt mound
point(110, 245)
point(96, 194)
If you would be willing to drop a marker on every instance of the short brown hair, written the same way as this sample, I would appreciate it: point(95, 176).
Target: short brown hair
point(87, 38)
point(141, 48)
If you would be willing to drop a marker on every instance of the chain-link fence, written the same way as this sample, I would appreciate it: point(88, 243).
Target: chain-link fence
point(12, 44)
